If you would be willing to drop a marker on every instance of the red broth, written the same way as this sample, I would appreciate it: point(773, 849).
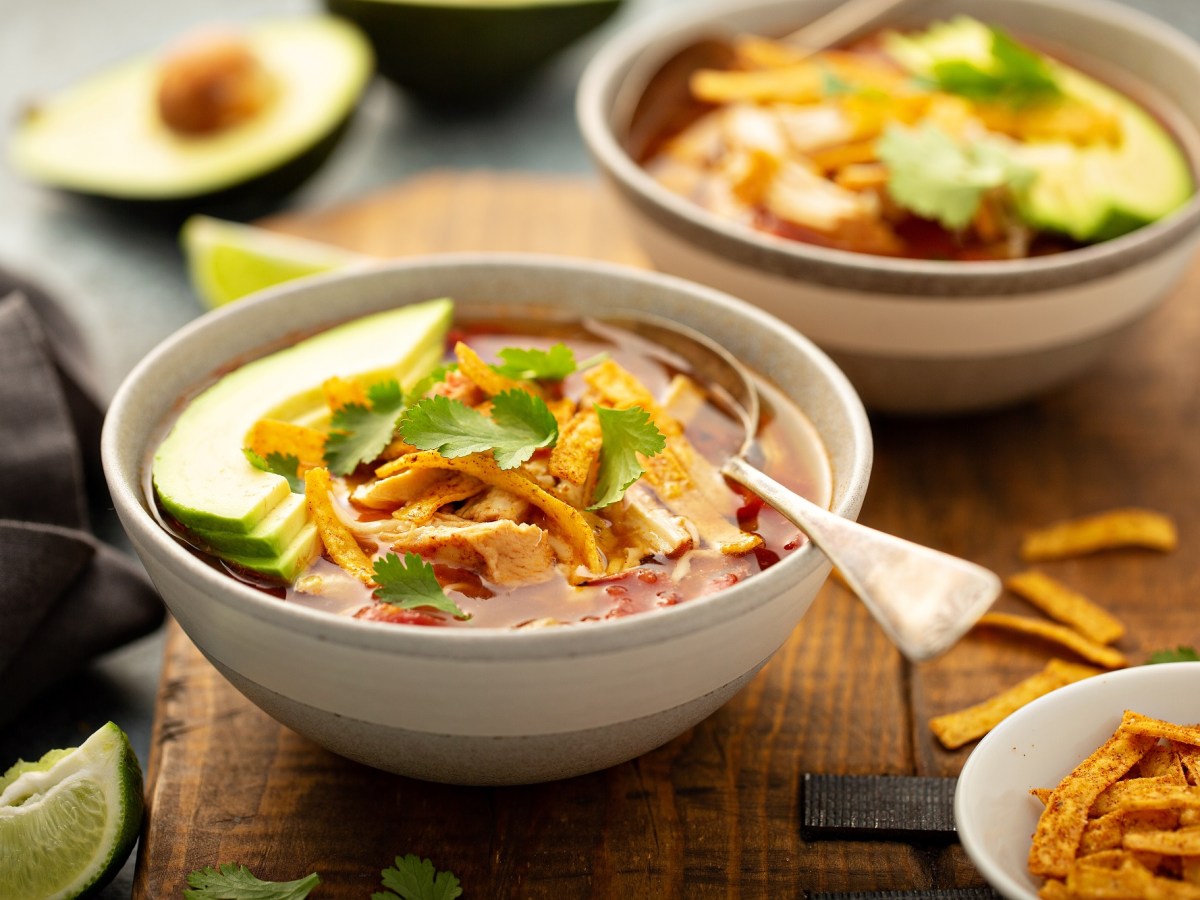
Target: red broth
point(790, 451)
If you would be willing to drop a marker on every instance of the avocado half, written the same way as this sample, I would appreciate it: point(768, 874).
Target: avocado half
point(468, 52)
point(104, 137)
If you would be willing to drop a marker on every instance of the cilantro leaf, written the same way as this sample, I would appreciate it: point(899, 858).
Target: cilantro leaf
point(409, 583)
point(287, 466)
point(1179, 654)
point(234, 882)
point(413, 878)
point(520, 423)
point(359, 433)
point(624, 434)
point(833, 84)
point(554, 364)
point(1015, 74)
point(934, 176)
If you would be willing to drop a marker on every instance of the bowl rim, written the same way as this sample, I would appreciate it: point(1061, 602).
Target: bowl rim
point(1007, 734)
point(626, 633)
point(904, 278)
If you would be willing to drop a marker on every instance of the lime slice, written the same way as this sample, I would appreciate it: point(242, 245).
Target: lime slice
point(69, 820)
point(228, 260)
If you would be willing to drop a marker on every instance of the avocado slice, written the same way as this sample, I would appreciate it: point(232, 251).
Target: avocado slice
point(203, 479)
point(106, 136)
point(1091, 191)
point(469, 52)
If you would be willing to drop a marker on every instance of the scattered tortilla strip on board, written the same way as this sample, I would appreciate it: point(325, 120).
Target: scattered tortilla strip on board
point(958, 728)
point(1061, 824)
point(1103, 531)
point(1093, 652)
point(1064, 605)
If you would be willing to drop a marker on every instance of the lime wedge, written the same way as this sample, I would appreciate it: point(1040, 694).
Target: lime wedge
point(228, 260)
point(69, 820)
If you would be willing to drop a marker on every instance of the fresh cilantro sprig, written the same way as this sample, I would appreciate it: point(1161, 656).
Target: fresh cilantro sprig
point(359, 433)
point(936, 177)
point(410, 583)
point(235, 882)
point(1016, 75)
point(1178, 654)
point(288, 466)
point(413, 878)
point(554, 364)
point(520, 423)
point(624, 434)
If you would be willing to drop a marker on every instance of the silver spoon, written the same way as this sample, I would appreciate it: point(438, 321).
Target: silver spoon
point(924, 599)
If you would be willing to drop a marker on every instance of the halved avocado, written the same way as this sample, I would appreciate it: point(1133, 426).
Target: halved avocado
point(467, 52)
point(107, 137)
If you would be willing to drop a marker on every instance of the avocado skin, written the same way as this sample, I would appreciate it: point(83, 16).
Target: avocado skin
point(465, 56)
point(250, 199)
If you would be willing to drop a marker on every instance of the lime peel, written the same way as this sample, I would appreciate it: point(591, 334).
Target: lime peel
point(69, 821)
point(228, 260)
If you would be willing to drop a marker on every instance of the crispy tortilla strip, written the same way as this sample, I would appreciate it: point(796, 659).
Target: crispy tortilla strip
point(685, 481)
point(1060, 634)
point(1183, 734)
point(1183, 842)
point(575, 455)
point(341, 392)
point(1104, 531)
point(1145, 794)
point(1064, 605)
point(1053, 889)
point(1189, 869)
point(571, 523)
point(339, 542)
point(1189, 758)
point(802, 81)
point(269, 436)
point(1061, 824)
point(1043, 794)
point(450, 490)
point(1108, 831)
point(1162, 762)
point(489, 380)
point(1127, 880)
point(957, 728)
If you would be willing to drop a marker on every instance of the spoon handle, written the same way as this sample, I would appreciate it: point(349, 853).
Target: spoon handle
point(924, 599)
point(841, 22)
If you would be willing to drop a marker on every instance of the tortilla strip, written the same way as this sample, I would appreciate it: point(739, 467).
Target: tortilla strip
point(1184, 842)
point(1043, 794)
point(1107, 832)
point(1108, 657)
point(1064, 605)
point(1129, 879)
point(684, 480)
point(341, 392)
point(1053, 889)
point(573, 524)
point(1061, 824)
point(574, 456)
point(339, 542)
point(489, 380)
point(1183, 734)
point(1145, 794)
point(1162, 762)
point(1104, 531)
point(1189, 758)
point(269, 436)
point(958, 728)
point(420, 510)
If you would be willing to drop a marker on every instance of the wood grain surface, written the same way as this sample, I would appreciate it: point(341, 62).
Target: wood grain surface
point(715, 812)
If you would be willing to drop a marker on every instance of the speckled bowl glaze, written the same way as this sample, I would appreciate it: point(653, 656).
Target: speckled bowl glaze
point(916, 336)
point(483, 706)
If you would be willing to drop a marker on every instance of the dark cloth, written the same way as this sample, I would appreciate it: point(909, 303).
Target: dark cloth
point(65, 597)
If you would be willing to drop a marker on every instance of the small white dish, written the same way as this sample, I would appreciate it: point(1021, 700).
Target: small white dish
point(1036, 746)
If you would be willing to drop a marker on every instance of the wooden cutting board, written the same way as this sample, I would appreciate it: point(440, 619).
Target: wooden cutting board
point(715, 812)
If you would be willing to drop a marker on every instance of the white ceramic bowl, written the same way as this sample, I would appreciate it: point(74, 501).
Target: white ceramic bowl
point(919, 336)
point(483, 706)
point(1039, 744)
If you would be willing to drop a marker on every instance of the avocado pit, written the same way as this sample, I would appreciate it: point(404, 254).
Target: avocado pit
point(213, 81)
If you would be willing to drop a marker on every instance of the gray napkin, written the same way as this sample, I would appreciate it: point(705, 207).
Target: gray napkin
point(65, 597)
